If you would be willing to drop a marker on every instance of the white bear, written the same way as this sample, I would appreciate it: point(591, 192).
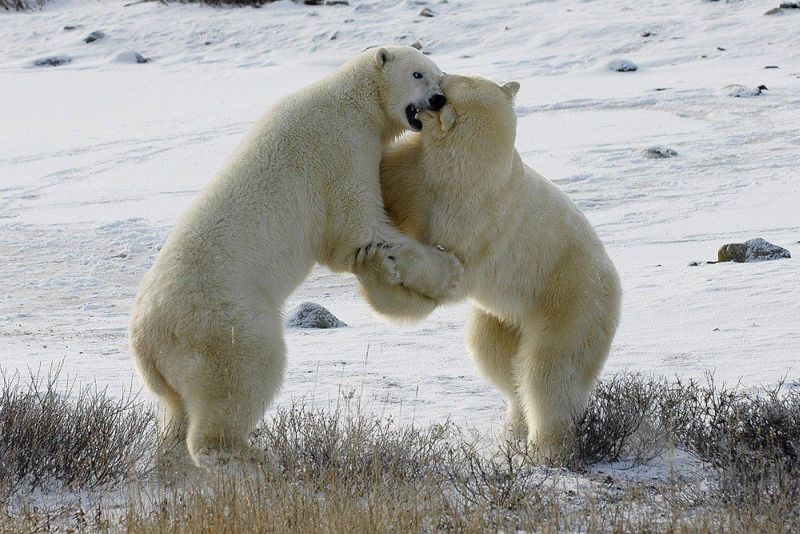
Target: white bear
point(303, 187)
point(546, 295)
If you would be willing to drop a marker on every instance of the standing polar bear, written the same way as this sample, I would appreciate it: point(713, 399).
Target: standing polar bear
point(303, 187)
point(546, 294)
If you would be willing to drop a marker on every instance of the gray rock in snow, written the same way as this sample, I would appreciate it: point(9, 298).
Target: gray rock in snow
point(741, 91)
point(753, 250)
point(94, 36)
point(312, 315)
point(622, 65)
point(130, 57)
point(659, 152)
point(52, 61)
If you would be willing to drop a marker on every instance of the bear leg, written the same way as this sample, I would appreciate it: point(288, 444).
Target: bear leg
point(493, 345)
point(556, 370)
point(227, 395)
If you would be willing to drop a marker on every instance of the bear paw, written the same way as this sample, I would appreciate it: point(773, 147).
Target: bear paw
point(430, 271)
point(378, 258)
point(213, 459)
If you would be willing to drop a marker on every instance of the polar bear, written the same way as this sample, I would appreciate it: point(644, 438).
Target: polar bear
point(303, 187)
point(546, 295)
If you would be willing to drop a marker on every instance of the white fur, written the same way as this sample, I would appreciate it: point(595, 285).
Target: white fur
point(546, 294)
point(303, 187)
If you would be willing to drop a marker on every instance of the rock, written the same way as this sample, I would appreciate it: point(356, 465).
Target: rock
point(621, 65)
point(772, 67)
point(774, 11)
point(94, 36)
point(659, 152)
point(426, 13)
point(753, 250)
point(70, 27)
point(789, 5)
point(52, 61)
point(337, 3)
point(312, 315)
point(417, 45)
point(130, 57)
point(646, 34)
point(740, 91)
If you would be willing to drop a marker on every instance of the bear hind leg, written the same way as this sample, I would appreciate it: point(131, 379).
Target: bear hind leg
point(556, 371)
point(493, 346)
point(172, 418)
point(227, 396)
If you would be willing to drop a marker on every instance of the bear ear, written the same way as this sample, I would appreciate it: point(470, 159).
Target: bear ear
point(382, 56)
point(511, 89)
point(447, 118)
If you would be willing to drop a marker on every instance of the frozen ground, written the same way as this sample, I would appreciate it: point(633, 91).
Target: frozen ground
point(99, 157)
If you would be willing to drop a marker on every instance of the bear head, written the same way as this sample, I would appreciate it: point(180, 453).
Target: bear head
point(478, 114)
point(411, 84)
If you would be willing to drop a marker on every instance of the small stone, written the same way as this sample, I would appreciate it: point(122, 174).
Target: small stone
point(721, 48)
point(622, 65)
point(646, 34)
point(693, 264)
point(94, 36)
point(70, 27)
point(312, 315)
point(52, 61)
point(774, 11)
point(426, 12)
point(417, 45)
point(130, 57)
point(753, 250)
point(740, 91)
point(337, 3)
point(659, 152)
point(772, 67)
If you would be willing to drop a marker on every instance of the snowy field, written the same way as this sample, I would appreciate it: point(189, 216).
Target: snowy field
point(100, 156)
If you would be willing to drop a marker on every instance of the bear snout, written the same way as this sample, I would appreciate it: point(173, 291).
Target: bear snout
point(437, 102)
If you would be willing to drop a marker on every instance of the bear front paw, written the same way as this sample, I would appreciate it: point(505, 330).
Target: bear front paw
point(378, 259)
point(452, 276)
point(429, 271)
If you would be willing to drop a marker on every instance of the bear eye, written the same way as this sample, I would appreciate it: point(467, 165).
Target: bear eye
point(418, 75)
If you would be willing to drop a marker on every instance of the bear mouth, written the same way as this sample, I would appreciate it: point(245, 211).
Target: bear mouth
point(411, 117)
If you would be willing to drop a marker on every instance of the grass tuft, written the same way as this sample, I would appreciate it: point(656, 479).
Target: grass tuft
point(21, 5)
point(78, 439)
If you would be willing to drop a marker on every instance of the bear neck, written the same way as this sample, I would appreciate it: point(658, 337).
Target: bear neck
point(358, 84)
point(484, 166)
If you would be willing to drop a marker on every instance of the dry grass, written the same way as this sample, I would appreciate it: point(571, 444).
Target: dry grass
point(236, 3)
point(21, 5)
point(239, 3)
point(68, 438)
point(342, 471)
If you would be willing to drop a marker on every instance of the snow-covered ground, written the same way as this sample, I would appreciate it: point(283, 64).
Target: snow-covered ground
point(100, 156)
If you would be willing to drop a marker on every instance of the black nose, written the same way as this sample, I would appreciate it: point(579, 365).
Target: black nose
point(437, 102)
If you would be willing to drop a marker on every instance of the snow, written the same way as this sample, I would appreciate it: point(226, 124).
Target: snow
point(100, 156)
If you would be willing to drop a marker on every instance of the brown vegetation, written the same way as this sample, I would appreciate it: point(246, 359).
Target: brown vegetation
point(343, 471)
